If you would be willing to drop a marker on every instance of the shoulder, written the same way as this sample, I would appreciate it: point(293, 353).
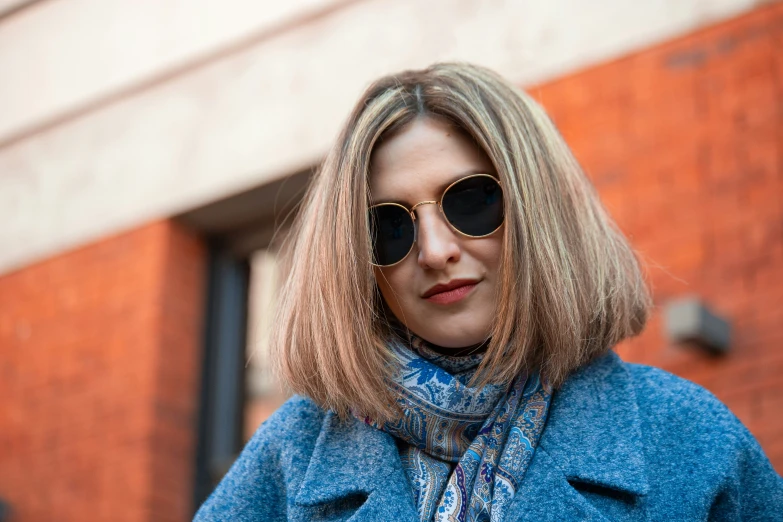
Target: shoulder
point(298, 417)
point(286, 437)
point(670, 404)
point(644, 431)
point(676, 409)
point(642, 406)
point(270, 467)
point(663, 397)
point(692, 438)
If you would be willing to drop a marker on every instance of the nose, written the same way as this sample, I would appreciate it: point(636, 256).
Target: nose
point(437, 243)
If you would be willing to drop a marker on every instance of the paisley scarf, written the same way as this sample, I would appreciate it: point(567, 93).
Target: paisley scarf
point(465, 450)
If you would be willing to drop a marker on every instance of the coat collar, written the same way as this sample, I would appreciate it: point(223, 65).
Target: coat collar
point(592, 436)
point(593, 431)
point(351, 458)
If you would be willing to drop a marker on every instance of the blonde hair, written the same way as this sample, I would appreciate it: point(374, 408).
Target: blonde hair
point(570, 284)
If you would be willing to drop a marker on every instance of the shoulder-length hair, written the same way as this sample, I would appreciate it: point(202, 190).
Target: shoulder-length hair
point(570, 284)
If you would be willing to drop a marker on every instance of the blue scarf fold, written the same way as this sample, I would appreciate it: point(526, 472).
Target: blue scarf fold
point(465, 450)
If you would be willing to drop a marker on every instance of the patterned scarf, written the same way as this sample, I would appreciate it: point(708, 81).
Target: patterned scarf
point(465, 450)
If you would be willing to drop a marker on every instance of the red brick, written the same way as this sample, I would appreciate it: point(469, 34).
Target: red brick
point(88, 342)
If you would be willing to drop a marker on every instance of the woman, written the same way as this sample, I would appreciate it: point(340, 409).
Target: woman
point(454, 294)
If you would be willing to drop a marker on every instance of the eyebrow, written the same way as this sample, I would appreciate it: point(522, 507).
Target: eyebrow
point(441, 188)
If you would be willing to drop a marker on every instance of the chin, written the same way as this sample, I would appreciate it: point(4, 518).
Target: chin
point(454, 338)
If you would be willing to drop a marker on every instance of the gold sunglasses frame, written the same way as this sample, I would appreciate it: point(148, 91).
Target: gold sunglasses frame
point(440, 208)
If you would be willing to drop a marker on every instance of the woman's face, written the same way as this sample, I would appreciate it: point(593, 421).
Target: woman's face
point(416, 165)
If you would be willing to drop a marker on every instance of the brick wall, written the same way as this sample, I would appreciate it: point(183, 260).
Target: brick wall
point(684, 142)
point(99, 367)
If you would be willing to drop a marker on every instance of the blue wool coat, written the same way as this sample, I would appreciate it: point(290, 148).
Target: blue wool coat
point(622, 442)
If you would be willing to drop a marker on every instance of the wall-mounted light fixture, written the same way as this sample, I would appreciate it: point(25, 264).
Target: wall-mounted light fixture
point(688, 319)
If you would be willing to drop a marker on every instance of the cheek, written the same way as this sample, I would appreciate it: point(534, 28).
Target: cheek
point(392, 284)
point(496, 254)
point(397, 289)
point(489, 252)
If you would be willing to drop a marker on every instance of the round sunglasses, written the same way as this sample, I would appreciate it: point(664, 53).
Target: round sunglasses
point(472, 206)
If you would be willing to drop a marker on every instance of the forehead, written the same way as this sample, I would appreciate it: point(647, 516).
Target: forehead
point(420, 161)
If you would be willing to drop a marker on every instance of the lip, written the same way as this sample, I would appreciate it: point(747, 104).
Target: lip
point(450, 292)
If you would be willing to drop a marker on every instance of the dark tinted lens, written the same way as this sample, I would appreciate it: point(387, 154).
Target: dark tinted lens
point(391, 229)
point(474, 206)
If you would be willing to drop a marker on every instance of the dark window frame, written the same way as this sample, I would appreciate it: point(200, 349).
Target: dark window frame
point(233, 228)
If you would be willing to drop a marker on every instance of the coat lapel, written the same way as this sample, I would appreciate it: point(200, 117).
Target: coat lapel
point(352, 461)
point(592, 438)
